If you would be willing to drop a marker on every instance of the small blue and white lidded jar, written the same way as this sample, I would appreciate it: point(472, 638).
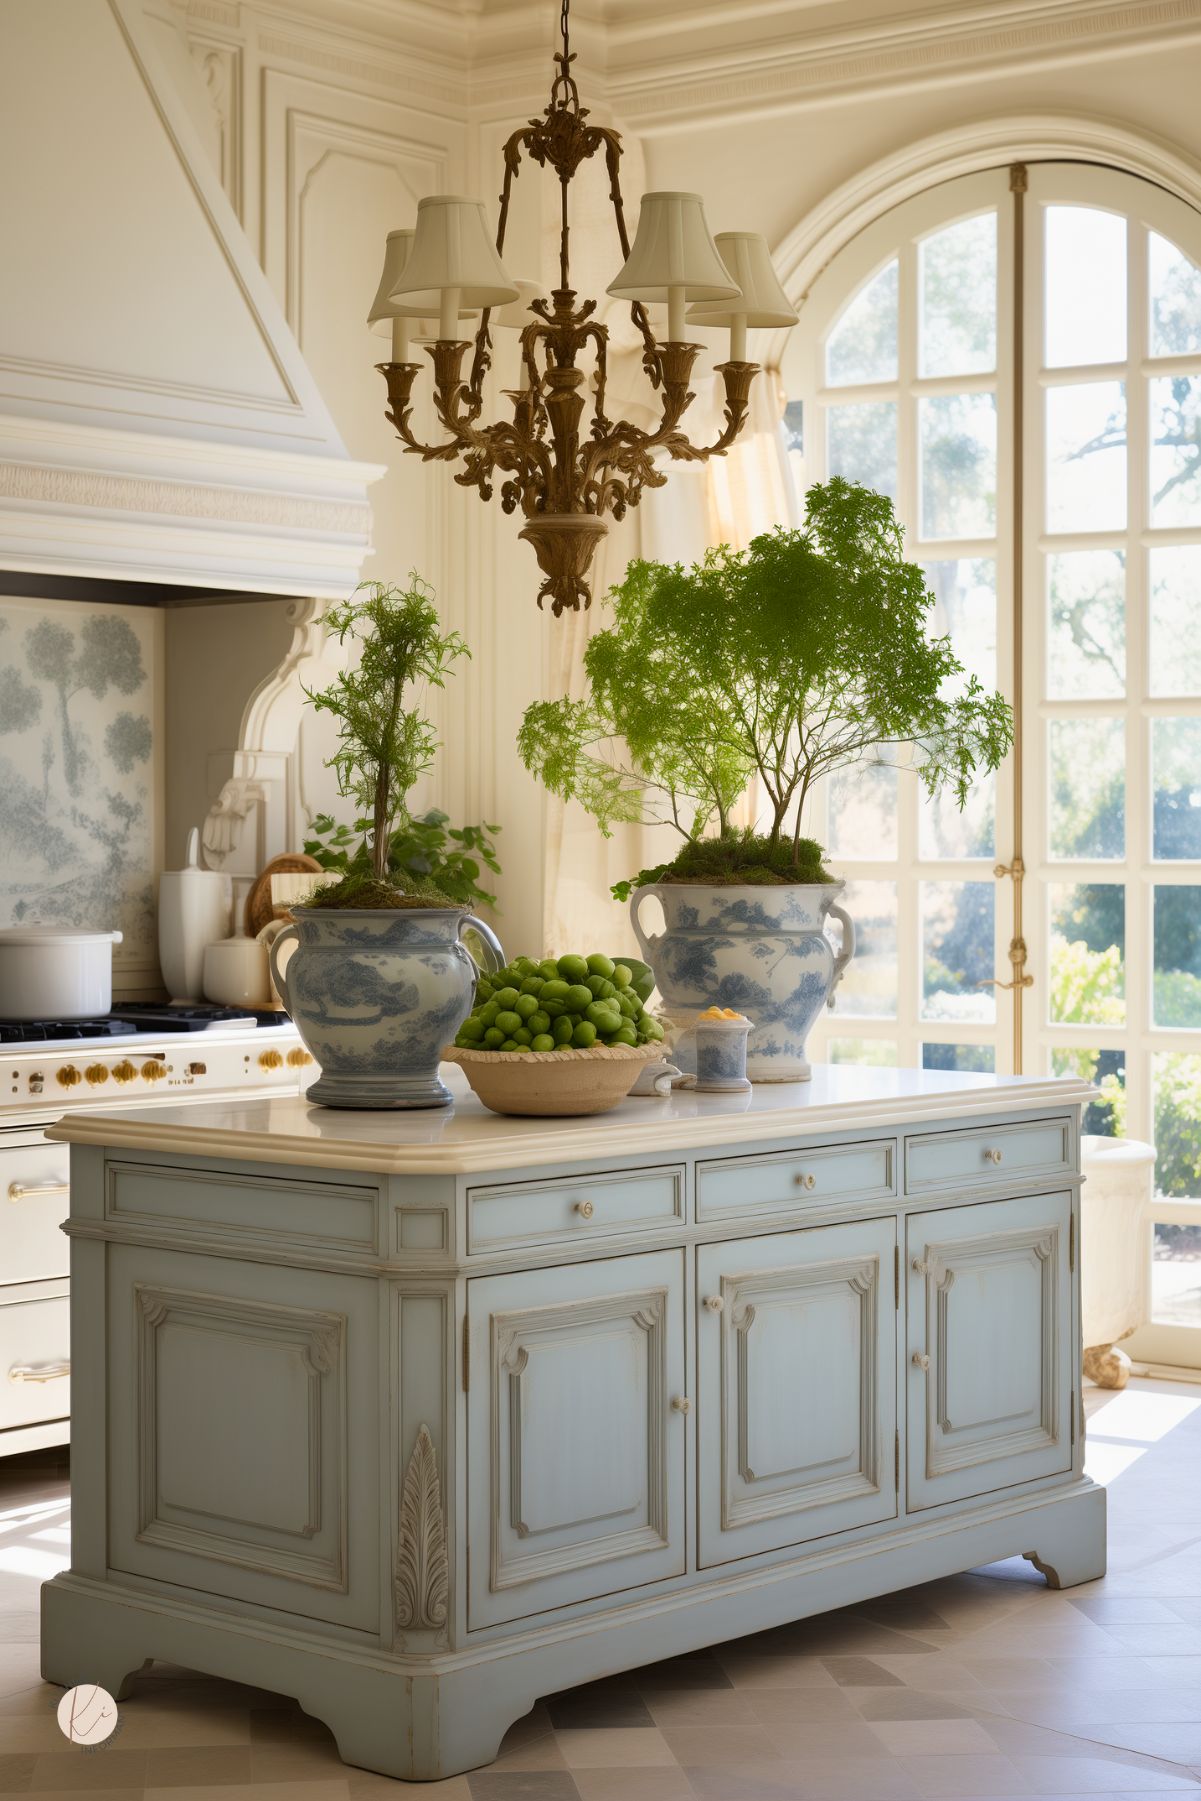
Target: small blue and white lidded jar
point(721, 1052)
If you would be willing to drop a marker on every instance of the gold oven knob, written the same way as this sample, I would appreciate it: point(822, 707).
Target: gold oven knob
point(197, 1069)
point(153, 1071)
point(68, 1076)
point(298, 1059)
point(96, 1073)
point(270, 1060)
point(124, 1071)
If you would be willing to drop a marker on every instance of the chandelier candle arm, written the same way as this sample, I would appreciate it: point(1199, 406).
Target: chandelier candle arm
point(567, 475)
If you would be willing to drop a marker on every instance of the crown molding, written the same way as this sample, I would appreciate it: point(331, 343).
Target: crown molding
point(656, 94)
point(669, 67)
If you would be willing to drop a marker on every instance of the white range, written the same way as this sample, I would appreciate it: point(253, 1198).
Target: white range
point(39, 1082)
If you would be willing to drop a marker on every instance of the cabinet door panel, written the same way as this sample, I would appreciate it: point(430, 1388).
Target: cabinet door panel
point(990, 1343)
point(575, 1454)
point(796, 1389)
point(245, 1458)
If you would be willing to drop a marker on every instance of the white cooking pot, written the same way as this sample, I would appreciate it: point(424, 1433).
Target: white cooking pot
point(55, 972)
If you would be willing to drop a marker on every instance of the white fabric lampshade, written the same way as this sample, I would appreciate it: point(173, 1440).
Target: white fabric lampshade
point(763, 302)
point(452, 249)
point(673, 250)
point(383, 308)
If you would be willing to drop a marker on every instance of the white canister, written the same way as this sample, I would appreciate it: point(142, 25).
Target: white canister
point(235, 973)
point(55, 972)
point(194, 907)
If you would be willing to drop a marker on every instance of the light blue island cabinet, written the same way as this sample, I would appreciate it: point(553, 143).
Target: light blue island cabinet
point(419, 1417)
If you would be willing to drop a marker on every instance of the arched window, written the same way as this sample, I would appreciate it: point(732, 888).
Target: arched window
point(1015, 357)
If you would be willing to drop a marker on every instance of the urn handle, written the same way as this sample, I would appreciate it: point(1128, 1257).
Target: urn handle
point(494, 955)
point(848, 948)
point(647, 944)
point(278, 979)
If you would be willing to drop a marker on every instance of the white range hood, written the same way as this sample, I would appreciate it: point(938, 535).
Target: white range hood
point(157, 420)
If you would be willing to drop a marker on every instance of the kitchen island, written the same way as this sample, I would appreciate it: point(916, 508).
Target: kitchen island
point(418, 1417)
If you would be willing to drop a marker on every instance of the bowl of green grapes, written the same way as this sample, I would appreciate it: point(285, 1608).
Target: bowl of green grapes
point(559, 1035)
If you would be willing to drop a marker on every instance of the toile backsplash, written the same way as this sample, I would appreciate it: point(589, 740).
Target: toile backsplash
point(81, 771)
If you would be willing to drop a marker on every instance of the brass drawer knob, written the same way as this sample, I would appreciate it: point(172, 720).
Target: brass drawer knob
point(33, 1191)
point(805, 1181)
point(992, 1156)
point(920, 1360)
point(681, 1404)
point(585, 1209)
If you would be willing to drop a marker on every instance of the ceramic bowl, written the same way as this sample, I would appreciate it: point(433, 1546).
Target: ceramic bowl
point(549, 1083)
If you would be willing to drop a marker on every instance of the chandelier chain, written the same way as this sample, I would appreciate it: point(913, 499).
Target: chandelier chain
point(564, 92)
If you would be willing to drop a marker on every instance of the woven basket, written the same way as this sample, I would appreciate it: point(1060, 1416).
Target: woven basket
point(549, 1083)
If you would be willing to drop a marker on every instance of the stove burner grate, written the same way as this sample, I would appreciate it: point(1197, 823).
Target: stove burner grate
point(40, 1031)
point(131, 1019)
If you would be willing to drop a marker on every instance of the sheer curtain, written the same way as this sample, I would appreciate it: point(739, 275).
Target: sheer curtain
point(729, 500)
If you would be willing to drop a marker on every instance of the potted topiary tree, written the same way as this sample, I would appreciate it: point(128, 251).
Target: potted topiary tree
point(781, 664)
point(380, 981)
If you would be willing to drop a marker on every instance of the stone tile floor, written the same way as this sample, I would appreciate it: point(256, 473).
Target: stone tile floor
point(987, 1684)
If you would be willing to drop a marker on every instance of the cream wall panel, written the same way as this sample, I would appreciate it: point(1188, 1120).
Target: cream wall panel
point(341, 168)
point(88, 267)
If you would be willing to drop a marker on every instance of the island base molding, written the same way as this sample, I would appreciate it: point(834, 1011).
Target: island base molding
point(427, 1718)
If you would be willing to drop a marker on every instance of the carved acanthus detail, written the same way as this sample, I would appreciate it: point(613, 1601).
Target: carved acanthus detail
point(422, 1566)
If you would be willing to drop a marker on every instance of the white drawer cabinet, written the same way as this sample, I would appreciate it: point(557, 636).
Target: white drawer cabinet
point(992, 1347)
point(34, 1198)
point(576, 1433)
point(35, 1355)
point(796, 1387)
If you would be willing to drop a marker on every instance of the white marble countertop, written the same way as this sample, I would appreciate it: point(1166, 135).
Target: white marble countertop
point(466, 1138)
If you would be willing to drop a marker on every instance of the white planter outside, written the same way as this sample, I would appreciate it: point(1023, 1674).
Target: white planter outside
point(1115, 1216)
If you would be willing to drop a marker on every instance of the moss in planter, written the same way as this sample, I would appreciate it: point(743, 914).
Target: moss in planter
point(365, 892)
point(744, 859)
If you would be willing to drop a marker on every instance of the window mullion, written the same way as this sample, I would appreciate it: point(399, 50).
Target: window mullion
point(1139, 951)
point(910, 950)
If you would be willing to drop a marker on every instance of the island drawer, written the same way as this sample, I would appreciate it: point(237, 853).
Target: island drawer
point(781, 1182)
point(984, 1156)
point(35, 1354)
point(34, 1200)
point(554, 1212)
point(233, 1208)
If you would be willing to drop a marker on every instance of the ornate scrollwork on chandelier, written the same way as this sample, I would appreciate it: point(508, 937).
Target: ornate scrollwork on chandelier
point(567, 476)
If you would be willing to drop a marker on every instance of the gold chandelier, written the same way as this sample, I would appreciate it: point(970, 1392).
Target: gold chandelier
point(566, 477)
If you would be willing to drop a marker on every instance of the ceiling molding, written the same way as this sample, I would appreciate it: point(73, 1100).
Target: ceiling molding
point(682, 62)
point(929, 47)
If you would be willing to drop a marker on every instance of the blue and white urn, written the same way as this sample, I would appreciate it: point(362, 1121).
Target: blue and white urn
point(377, 995)
point(762, 950)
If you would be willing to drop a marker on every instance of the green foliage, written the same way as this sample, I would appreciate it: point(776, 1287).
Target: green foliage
point(1178, 1125)
point(1087, 986)
point(422, 849)
point(783, 662)
point(385, 747)
point(1087, 989)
